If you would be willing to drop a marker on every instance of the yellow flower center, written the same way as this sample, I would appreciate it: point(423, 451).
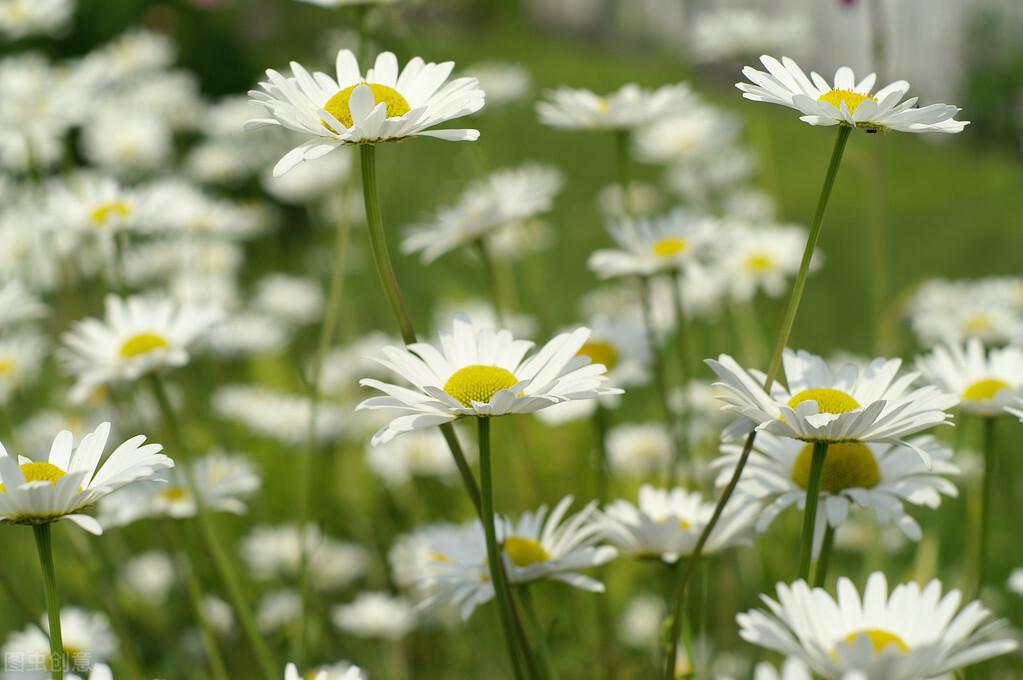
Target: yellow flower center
point(984, 390)
point(73, 658)
point(881, 639)
point(438, 556)
point(758, 263)
point(600, 352)
point(828, 400)
point(852, 100)
point(174, 493)
point(7, 366)
point(104, 212)
point(670, 246)
point(142, 343)
point(338, 106)
point(849, 465)
point(39, 472)
point(977, 323)
point(478, 383)
point(525, 551)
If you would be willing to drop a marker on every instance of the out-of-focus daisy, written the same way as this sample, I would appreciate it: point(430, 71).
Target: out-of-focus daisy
point(876, 477)
point(483, 315)
point(136, 337)
point(690, 135)
point(505, 197)
point(761, 258)
point(503, 82)
point(645, 199)
point(384, 106)
point(418, 454)
point(341, 670)
point(276, 552)
point(343, 366)
point(638, 450)
point(986, 380)
point(909, 633)
point(185, 210)
point(734, 32)
point(480, 372)
point(127, 142)
point(149, 577)
point(640, 621)
point(20, 357)
point(704, 181)
point(311, 180)
point(95, 204)
point(88, 640)
point(848, 102)
point(625, 109)
point(277, 415)
point(18, 305)
point(953, 311)
point(21, 18)
point(792, 669)
point(278, 610)
point(874, 404)
point(246, 333)
point(375, 615)
point(294, 299)
point(219, 614)
point(1015, 582)
point(652, 245)
point(667, 523)
point(70, 479)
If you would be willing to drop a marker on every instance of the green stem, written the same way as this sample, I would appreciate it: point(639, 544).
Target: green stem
point(195, 596)
point(824, 561)
point(494, 556)
point(600, 418)
point(985, 502)
point(214, 544)
point(536, 628)
point(783, 338)
point(389, 280)
point(660, 377)
point(813, 491)
point(684, 356)
point(44, 544)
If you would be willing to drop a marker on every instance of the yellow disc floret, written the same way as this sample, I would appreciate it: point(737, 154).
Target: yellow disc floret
point(174, 493)
point(478, 383)
point(39, 472)
point(142, 343)
point(828, 400)
point(848, 465)
point(338, 105)
point(881, 639)
point(670, 246)
point(984, 390)
point(103, 213)
point(7, 365)
point(525, 551)
point(759, 263)
point(852, 100)
point(600, 352)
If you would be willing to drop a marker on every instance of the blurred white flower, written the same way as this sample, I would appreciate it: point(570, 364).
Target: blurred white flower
point(693, 134)
point(88, 639)
point(418, 454)
point(628, 108)
point(22, 18)
point(640, 623)
point(149, 576)
point(127, 143)
point(277, 415)
point(278, 610)
point(504, 82)
point(312, 180)
point(638, 450)
point(276, 552)
point(375, 615)
point(952, 311)
point(725, 33)
point(294, 300)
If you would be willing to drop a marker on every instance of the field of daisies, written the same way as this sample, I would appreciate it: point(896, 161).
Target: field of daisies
point(348, 339)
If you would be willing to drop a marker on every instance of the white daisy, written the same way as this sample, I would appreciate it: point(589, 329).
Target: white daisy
point(384, 106)
point(88, 640)
point(20, 359)
point(761, 258)
point(338, 671)
point(279, 416)
point(986, 380)
point(877, 477)
point(847, 102)
point(375, 615)
point(18, 305)
point(70, 479)
point(792, 669)
point(628, 108)
point(278, 610)
point(21, 18)
point(733, 32)
point(639, 450)
point(640, 622)
point(273, 552)
point(246, 333)
point(310, 181)
point(293, 299)
point(653, 245)
point(503, 82)
point(125, 142)
point(1015, 581)
point(667, 523)
point(874, 404)
point(688, 136)
point(953, 311)
point(483, 373)
point(95, 204)
point(136, 337)
point(502, 199)
point(909, 633)
point(418, 454)
point(343, 366)
point(149, 577)
point(185, 210)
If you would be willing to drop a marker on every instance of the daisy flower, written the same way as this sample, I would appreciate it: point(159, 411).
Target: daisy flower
point(149, 577)
point(278, 610)
point(275, 552)
point(277, 415)
point(125, 141)
point(628, 108)
point(339, 671)
point(375, 615)
point(639, 450)
point(792, 669)
point(21, 18)
point(503, 82)
point(879, 477)
point(88, 640)
point(417, 454)
point(986, 380)
point(872, 404)
point(136, 337)
point(953, 311)
point(481, 372)
point(667, 523)
point(72, 479)
point(95, 204)
point(507, 196)
point(20, 358)
point(909, 633)
point(693, 134)
point(848, 102)
point(733, 32)
point(384, 106)
point(761, 258)
point(293, 299)
point(653, 245)
point(18, 305)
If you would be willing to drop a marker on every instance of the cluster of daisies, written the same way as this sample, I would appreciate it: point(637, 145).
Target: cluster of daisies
point(132, 210)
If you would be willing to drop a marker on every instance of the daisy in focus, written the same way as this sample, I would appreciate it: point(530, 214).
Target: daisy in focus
point(906, 634)
point(385, 105)
point(877, 477)
point(648, 246)
point(987, 381)
point(873, 404)
point(71, 479)
point(137, 336)
point(848, 101)
point(628, 108)
point(481, 372)
point(667, 523)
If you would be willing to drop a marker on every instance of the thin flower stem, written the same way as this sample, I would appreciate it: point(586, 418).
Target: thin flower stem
point(214, 544)
point(543, 651)
point(813, 492)
point(605, 623)
point(600, 422)
point(496, 294)
point(195, 596)
point(987, 492)
point(824, 561)
point(494, 557)
point(684, 358)
point(772, 372)
point(323, 345)
point(378, 242)
point(660, 377)
point(44, 545)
